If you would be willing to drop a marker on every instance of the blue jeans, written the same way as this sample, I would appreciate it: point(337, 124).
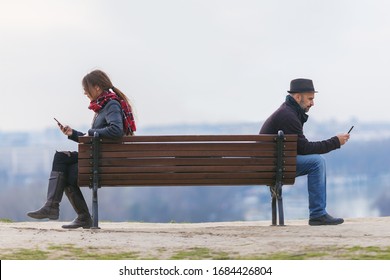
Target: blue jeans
point(314, 166)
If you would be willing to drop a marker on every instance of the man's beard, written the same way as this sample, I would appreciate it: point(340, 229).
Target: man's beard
point(304, 108)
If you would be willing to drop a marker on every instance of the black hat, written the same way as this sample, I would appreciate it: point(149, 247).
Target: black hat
point(301, 85)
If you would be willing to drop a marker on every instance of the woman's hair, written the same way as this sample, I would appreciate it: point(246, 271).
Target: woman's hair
point(99, 78)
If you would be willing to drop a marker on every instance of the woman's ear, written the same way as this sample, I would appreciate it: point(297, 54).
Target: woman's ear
point(98, 90)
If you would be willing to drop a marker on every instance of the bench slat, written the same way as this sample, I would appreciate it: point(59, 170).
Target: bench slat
point(192, 169)
point(174, 153)
point(186, 161)
point(270, 146)
point(188, 182)
point(186, 138)
point(157, 154)
point(190, 175)
point(175, 179)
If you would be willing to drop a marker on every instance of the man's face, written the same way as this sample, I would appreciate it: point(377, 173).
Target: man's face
point(305, 100)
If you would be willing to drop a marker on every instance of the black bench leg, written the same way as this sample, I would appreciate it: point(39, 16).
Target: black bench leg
point(280, 208)
point(273, 210)
point(280, 203)
point(277, 205)
point(95, 215)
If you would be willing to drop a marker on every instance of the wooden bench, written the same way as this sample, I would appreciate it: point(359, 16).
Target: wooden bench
point(189, 160)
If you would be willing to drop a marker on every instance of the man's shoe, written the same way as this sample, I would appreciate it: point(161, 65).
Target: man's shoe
point(325, 220)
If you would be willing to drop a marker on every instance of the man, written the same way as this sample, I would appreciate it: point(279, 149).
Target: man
point(290, 118)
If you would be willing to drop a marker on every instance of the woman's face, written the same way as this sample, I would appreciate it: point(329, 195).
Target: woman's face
point(93, 92)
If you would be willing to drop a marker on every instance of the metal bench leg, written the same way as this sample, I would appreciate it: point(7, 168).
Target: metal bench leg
point(281, 214)
point(273, 211)
point(277, 205)
point(95, 181)
point(95, 214)
point(273, 204)
point(280, 203)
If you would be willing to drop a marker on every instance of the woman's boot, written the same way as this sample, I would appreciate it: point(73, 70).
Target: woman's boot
point(77, 200)
point(55, 191)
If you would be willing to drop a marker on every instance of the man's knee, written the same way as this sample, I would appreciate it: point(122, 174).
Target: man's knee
point(318, 164)
point(307, 164)
point(320, 161)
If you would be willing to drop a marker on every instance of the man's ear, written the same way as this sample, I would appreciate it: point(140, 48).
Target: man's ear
point(297, 97)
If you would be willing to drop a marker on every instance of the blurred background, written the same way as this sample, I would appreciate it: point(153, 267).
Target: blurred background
point(196, 67)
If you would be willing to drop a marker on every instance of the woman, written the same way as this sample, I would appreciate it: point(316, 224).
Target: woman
point(113, 119)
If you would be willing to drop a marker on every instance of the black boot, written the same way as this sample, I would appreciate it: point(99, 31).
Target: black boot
point(55, 191)
point(77, 200)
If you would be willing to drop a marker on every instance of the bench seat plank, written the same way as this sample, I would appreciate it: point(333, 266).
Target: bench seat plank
point(135, 146)
point(185, 161)
point(173, 168)
point(190, 182)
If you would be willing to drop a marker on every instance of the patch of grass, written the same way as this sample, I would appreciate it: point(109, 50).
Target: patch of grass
point(68, 252)
point(288, 256)
point(325, 253)
point(5, 220)
point(25, 254)
point(200, 254)
point(331, 253)
point(367, 253)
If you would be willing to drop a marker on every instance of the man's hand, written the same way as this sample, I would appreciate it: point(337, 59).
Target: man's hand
point(343, 138)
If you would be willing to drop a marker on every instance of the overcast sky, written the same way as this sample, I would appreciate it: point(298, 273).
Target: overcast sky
point(200, 61)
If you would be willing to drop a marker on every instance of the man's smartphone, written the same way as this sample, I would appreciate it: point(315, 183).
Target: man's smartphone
point(349, 131)
point(58, 122)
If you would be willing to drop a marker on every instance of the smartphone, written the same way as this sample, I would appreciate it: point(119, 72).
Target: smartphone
point(349, 131)
point(58, 122)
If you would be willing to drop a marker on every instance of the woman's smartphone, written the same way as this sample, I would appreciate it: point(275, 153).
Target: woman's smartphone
point(58, 122)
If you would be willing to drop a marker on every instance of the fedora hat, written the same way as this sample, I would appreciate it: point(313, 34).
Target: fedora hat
point(301, 85)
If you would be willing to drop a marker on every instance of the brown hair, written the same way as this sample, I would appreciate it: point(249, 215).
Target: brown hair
point(99, 78)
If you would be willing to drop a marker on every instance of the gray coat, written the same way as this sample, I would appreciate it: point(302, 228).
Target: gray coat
point(108, 122)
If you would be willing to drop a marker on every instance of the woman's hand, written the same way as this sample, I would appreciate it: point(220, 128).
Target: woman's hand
point(67, 130)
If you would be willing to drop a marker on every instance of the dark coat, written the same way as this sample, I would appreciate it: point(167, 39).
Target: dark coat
point(108, 122)
point(289, 119)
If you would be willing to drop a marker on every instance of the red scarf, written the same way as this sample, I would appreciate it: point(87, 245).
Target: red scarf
point(128, 118)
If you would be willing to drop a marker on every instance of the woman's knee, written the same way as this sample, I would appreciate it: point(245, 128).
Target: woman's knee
point(62, 159)
point(59, 161)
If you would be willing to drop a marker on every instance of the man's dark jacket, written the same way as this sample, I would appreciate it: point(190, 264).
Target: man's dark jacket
point(290, 118)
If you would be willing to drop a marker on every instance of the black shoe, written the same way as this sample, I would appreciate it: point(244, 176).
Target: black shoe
point(84, 222)
point(45, 212)
point(325, 220)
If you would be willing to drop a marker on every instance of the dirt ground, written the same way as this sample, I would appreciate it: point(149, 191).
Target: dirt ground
point(231, 240)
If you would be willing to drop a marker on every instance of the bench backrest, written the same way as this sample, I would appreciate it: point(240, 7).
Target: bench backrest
point(188, 160)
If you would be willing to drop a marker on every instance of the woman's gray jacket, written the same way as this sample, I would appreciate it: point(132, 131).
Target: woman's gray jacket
point(108, 123)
